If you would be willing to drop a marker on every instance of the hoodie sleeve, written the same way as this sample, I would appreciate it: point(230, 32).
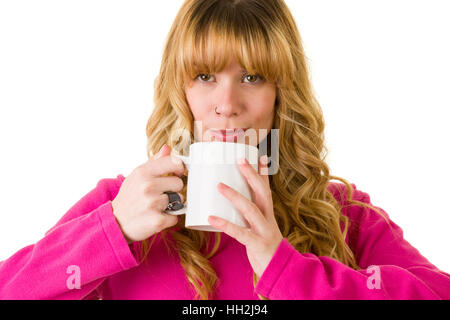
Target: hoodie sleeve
point(75, 256)
point(390, 267)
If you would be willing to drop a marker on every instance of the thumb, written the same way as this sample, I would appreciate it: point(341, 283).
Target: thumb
point(164, 151)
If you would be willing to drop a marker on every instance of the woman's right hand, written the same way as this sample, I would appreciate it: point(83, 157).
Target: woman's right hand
point(140, 203)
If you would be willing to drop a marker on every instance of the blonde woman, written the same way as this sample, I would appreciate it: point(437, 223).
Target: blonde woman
point(228, 64)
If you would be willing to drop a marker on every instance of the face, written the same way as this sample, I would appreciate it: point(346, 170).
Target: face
point(232, 100)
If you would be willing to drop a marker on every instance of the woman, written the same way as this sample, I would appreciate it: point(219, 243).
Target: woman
point(228, 64)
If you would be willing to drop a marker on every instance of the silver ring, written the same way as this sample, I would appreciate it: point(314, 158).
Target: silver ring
point(174, 206)
point(174, 201)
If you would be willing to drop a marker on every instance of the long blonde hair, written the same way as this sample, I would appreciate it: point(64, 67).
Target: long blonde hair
point(264, 38)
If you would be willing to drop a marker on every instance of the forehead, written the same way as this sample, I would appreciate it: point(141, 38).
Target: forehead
point(214, 50)
point(234, 66)
point(211, 58)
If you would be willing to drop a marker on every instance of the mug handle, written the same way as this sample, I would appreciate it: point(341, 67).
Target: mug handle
point(186, 162)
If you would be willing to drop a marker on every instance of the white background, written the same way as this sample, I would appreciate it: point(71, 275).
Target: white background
point(76, 89)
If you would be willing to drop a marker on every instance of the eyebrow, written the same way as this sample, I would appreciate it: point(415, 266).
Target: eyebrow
point(242, 70)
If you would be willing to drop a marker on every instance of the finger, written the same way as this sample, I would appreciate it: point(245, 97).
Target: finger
point(248, 209)
point(252, 176)
point(165, 150)
point(161, 201)
point(162, 220)
point(244, 235)
point(263, 165)
point(170, 183)
point(261, 189)
point(164, 165)
point(264, 169)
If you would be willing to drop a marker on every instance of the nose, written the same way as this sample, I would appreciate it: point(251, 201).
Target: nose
point(229, 102)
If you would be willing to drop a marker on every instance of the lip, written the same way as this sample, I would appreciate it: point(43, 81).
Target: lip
point(230, 135)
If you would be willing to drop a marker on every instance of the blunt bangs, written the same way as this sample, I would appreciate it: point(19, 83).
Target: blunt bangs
point(216, 34)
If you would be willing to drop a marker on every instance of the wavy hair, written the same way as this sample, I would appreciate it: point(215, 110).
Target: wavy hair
point(265, 40)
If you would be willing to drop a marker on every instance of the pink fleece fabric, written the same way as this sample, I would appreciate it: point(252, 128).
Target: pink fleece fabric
point(89, 238)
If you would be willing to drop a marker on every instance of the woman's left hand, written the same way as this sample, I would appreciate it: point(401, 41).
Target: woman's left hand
point(263, 237)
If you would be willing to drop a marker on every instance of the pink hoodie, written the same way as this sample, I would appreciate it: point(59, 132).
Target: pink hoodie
point(85, 256)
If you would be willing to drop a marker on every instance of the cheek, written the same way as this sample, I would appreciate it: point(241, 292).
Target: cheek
point(197, 103)
point(262, 117)
point(266, 108)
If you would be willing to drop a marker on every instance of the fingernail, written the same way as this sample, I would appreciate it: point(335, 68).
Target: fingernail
point(241, 161)
point(222, 185)
point(264, 160)
point(160, 150)
point(215, 220)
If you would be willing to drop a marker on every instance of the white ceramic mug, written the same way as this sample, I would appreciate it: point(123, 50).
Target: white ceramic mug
point(208, 164)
